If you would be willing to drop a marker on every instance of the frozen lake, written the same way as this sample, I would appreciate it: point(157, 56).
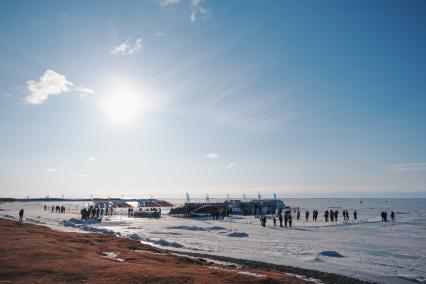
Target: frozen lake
point(367, 249)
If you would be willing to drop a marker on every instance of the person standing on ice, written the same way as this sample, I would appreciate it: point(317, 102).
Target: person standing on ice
point(290, 220)
point(393, 217)
point(355, 215)
point(281, 220)
point(336, 215)
point(307, 216)
point(274, 220)
point(298, 215)
point(21, 215)
point(326, 215)
point(285, 219)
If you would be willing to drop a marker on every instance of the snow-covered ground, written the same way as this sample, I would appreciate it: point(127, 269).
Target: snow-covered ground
point(367, 249)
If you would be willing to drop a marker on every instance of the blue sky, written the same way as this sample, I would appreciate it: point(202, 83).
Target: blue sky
point(159, 98)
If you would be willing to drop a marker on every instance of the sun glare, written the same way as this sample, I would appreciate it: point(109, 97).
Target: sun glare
point(123, 102)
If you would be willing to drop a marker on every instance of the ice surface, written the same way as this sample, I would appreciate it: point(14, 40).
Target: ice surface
point(372, 250)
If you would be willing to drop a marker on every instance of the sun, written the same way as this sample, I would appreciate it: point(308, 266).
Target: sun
point(123, 106)
point(123, 101)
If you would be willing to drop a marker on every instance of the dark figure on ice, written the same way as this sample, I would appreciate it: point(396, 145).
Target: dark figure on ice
point(384, 216)
point(281, 220)
point(355, 215)
point(290, 220)
point(52, 208)
point(331, 216)
point(285, 219)
point(274, 220)
point(393, 217)
point(336, 215)
point(307, 216)
point(45, 207)
point(21, 215)
point(326, 215)
point(298, 216)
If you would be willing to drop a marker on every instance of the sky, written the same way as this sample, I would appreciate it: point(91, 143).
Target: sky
point(162, 97)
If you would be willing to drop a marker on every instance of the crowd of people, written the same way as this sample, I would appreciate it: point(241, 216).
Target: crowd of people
point(95, 212)
point(57, 208)
point(329, 216)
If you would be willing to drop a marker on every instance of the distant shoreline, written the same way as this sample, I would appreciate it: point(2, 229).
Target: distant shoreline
point(9, 199)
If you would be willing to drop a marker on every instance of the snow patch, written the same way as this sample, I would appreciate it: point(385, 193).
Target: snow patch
point(163, 243)
point(111, 255)
point(251, 274)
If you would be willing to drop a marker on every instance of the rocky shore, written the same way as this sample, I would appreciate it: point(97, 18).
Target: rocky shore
point(36, 254)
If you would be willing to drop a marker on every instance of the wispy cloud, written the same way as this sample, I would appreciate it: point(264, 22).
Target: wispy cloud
point(127, 48)
point(158, 34)
point(407, 167)
point(52, 83)
point(91, 159)
point(84, 91)
point(168, 2)
point(52, 170)
point(231, 165)
point(211, 156)
point(198, 10)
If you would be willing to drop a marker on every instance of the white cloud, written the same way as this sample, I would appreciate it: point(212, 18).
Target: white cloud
point(159, 34)
point(231, 165)
point(51, 83)
point(212, 156)
point(91, 159)
point(407, 167)
point(168, 2)
point(126, 48)
point(198, 10)
point(50, 170)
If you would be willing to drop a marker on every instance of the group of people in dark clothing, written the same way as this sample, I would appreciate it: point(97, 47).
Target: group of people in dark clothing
point(288, 219)
point(57, 208)
point(329, 215)
point(384, 216)
point(346, 215)
point(95, 212)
